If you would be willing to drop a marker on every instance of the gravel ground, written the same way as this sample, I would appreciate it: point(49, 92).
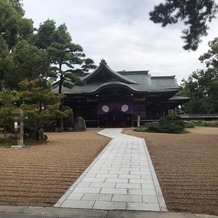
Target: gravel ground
point(187, 168)
point(39, 175)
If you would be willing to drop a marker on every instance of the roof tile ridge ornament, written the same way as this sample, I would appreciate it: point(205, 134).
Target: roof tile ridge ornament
point(103, 62)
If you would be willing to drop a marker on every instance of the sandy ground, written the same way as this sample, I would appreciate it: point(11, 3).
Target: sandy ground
point(186, 166)
point(40, 175)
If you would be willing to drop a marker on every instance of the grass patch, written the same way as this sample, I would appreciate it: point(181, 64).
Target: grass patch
point(138, 129)
point(9, 141)
point(205, 123)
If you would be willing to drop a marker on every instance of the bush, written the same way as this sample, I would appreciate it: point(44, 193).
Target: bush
point(204, 123)
point(169, 124)
point(171, 120)
point(172, 128)
point(6, 142)
point(138, 129)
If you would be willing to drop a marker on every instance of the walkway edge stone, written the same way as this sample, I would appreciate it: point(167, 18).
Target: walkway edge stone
point(50, 212)
point(159, 193)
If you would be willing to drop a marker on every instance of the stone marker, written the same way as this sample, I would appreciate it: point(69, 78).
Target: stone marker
point(18, 128)
point(138, 120)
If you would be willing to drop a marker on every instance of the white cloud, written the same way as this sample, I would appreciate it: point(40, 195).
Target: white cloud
point(120, 32)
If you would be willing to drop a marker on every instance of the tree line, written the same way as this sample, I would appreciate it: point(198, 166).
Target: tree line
point(202, 85)
point(30, 61)
point(195, 15)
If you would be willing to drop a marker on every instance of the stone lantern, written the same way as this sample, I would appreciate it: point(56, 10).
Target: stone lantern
point(18, 128)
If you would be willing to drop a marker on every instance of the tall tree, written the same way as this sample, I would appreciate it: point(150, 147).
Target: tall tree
point(28, 62)
point(45, 34)
point(67, 58)
point(13, 28)
point(210, 58)
point(202, 85)
point(6, 62)
point(13, 25)
point(195, 14)
point(8, 102)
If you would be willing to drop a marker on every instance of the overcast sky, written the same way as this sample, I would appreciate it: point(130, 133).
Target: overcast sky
point(120, 32)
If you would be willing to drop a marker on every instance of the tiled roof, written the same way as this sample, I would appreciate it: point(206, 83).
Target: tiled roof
point(135, 81)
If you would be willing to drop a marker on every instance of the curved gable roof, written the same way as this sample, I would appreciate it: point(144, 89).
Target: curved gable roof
point(135, 81)
point(104, 69)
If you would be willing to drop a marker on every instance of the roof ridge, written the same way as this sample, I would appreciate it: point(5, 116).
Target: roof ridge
point(103, 64)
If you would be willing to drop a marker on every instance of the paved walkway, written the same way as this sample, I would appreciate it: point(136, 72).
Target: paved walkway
point(122, 177)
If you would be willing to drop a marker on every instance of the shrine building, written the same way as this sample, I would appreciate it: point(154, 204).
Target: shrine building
point(117, 99)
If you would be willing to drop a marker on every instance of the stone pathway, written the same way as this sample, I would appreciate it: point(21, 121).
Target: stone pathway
point(121, 177)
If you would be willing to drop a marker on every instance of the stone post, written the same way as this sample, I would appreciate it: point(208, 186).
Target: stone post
point(138, 120)
point(18, 128)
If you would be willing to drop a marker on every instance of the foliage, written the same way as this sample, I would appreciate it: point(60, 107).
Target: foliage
point(9, 141)
point(45, 35)
point(210, 57)
point(14, 29)
point(139, 129)
point(13, 25)
point(40, 104)
point(205, 123)
point(195, 14)
point(8, 101)
point(6, 62)
point(34, 59)
point(169, 124)
point(202, 85)
point(67, 59)
point(29, 62)
point(6, 142)
point(69, 121)
point(171, 119)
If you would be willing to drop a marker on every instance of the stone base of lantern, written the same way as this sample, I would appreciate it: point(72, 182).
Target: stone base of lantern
point(17, 146)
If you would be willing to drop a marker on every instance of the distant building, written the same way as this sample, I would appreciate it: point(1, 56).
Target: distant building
point(117, 99)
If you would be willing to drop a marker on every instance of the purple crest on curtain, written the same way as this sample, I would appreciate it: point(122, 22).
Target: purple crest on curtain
point(122, 106)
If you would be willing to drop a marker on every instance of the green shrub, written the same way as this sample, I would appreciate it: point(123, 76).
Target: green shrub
point(173, 128)
point(171, 119)
point(204, 123)
point(138, 129)
point(6, 142)
point(169, 124)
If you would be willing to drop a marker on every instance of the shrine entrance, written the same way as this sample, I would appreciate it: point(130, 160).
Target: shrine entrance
point(115, 114)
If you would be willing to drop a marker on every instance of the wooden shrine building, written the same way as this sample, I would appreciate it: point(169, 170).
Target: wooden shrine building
point(117, 99)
